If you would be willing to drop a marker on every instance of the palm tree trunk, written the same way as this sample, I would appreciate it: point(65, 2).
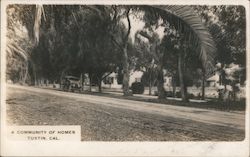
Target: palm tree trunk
point(181, 78)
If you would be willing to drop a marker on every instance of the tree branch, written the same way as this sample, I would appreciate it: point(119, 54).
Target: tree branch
point(145, 35)
point(119, 46)
point(129, 25)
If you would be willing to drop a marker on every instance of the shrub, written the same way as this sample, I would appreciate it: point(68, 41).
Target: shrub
point(189, 95)
point(178, 94)
point(169, 93)
point(137, 88)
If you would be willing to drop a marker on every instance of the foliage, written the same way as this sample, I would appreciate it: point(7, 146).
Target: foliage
point(94, 40)
point(149, 78)
point(183, 19)
point(19, 46)
point(227, 25)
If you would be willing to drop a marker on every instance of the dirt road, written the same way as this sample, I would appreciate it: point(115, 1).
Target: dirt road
point(111, 119)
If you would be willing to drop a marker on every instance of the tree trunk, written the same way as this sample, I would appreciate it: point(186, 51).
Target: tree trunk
point(47, 82)
point(160, 82)
point(100, 85)
point(26, 73)
point(150, 83)
point(82, 82)
point(150, 88)
point(21, 76)
point(203, 86)
point(126, 91)
point(174, 86)
point(35, 78)
point(90, 83)
point(181, 78)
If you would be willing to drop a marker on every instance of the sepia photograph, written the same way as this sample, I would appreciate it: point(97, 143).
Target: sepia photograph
point(126, 73)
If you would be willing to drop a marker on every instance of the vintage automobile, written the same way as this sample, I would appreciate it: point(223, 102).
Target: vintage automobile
point(70, 83)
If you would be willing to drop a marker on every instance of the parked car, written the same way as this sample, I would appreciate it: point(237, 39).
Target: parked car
point(70, 83)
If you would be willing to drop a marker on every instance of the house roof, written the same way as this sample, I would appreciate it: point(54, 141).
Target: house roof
point(214, 78)
point(113, 74)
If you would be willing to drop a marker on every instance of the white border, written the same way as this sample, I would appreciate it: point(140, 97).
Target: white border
point(129, 2)
point(10, 148)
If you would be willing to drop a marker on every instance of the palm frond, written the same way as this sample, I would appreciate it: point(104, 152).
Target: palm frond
point(13, 47)
point(37, 23)
point(187, 22)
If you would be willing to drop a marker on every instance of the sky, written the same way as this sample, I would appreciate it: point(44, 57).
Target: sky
point(138, 24)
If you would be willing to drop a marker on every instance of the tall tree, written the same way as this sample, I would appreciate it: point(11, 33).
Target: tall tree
point(158, 56)
point(145, 61)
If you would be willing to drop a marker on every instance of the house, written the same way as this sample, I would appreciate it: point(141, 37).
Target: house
point(167, 81)
point(213, 81)
point(135, 76)
point(111, 81)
